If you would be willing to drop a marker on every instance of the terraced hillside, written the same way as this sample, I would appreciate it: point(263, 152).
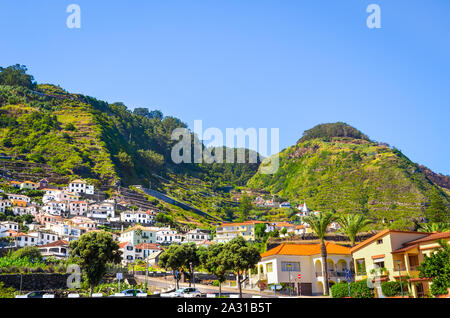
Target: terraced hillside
point(355, 175)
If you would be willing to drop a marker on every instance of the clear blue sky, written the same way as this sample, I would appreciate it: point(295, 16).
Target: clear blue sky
point(252, 63)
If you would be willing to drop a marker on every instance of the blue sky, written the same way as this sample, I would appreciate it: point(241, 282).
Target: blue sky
point(252, 63)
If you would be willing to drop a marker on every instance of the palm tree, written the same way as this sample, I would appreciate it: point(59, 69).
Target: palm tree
point(319, 224)
point(435, 227)
point(352, 224)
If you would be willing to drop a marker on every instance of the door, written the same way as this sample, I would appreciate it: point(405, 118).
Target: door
point(305, 289)
point(420, 292)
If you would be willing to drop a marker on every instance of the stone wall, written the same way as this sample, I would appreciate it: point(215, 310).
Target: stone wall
point(32, 282)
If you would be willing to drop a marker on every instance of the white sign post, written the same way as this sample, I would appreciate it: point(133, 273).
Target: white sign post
point(119, 277)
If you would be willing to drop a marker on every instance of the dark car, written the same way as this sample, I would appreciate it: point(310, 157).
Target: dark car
point(35, 294)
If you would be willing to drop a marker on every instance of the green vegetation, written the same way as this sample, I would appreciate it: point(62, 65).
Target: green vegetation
point(29, 260)
point(358, 289)
point(352, 224)
point(6, 292)
point(350, 175)
point(319, 225)
point(391, 289)
point(329, 131)
point(179, 258)
point(15, 75)
point(437, 267)
point(93, 251)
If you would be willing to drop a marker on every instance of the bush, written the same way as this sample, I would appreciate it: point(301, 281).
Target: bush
point(339, 290)
point(216, 283)
point(360, 289)
point(6, 292)
point(391, 289)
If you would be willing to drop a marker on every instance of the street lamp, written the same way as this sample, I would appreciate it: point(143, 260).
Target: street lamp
point(289, 267)
point(400, 276)
point(192, 271)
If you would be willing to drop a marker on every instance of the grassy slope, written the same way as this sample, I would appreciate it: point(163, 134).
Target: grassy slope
point(349, 175)
point(80, 151)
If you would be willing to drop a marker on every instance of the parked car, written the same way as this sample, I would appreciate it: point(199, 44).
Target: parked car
point(35, 294)
point(183, 291)
point(131, 292)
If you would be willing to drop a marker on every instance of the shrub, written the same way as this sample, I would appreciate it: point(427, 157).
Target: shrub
point(6, 292)
point(215, 283)
point(360, 289)
point(391, 289)
point(339, 290)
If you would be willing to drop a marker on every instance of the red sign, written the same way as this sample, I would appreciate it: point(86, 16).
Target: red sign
point(299, 276)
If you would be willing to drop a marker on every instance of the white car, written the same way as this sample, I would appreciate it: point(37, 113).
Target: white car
point(182, 292)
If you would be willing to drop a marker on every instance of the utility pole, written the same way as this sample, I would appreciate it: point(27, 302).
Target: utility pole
point(290, 288)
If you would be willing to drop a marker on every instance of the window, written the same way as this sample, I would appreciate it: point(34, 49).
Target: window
point(361, 266)
point(290, 266)
point(269, 268)
point(379, 241)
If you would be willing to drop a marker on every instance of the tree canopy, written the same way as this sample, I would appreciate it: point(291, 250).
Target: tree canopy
point(327, 131)
point(437, 267)
point(15, 75)
point(93, 251)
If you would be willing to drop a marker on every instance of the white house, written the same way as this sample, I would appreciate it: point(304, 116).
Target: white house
point(44, 236)
point(23, 239)
point(139, 234)
point(84, 222)
point(101, 210)
point(78, 207)
point(66, 232)
point(29, 185)
point(285, 205)
point(141, 217)
point(4, 204)
point(32, 210)
point(55, 207)
point(58, 249)
point(168, 236)
point(197, 235)
point(80, 186)
point(18, 197)
point(128, 252)
point(284, 263)
point(6, 226)
point(143, 250)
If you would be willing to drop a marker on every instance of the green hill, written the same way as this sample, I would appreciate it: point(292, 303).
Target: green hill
point(72, 135)
point(349, 173)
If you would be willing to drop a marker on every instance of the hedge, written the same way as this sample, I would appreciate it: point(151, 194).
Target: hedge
point(391, 289)
point(358, 289)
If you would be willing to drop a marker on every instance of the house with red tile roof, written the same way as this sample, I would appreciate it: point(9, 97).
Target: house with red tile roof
point(392, 255)
point(284, 264)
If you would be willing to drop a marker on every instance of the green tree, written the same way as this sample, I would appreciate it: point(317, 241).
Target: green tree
point(179, 258)
point(237, 256)
point(31, 252)
point(260, 231)
point(319, 224)
point(437, 211)
point(245, 207)
point(15, 75)
point(437, 267)
point(435, 227)
point(125, 160)
point(352, 224)
point(211, 261)
point(93, 251)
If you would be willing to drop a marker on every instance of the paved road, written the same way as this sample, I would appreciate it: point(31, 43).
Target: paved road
point(161, 283)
